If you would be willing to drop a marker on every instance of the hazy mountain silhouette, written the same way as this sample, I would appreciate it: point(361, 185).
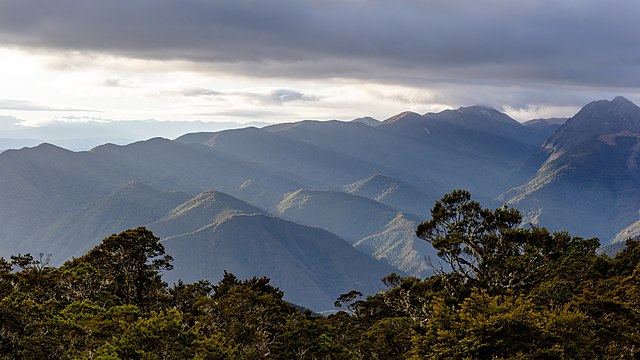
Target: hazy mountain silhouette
point(83, 134)
point(43, 185)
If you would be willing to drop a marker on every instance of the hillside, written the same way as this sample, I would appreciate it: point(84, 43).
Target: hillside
point(398, 246)
point(474, 148)
point(348, 216)
point(113, 300)
point(588, 178)
point(215, 232)
point(316, 166)
point(372, 227)
point(208, 208)
point(311, 265)
point(45, 184)
point(392, 192)
point(132, 205)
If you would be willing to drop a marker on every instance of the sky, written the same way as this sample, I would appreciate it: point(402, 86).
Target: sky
point(79, 61)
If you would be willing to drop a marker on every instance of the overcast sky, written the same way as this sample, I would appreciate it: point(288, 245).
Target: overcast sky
point(286, 60)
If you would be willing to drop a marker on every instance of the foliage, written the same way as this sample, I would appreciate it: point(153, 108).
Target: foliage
point(130, 264)
point(508, 293)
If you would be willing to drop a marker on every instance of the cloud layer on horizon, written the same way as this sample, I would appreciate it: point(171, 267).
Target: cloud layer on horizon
point(525, 52)
point(560, 41)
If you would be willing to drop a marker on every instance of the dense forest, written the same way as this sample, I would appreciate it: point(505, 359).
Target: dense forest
point(501, 291)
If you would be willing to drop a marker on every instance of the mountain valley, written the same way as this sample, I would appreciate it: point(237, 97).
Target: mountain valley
point(324, 207)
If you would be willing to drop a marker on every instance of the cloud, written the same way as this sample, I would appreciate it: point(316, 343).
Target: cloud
point(287, 95)
point(190, 92)
point(454, 46)
point(9, 123)
point(277, 96)
point(265, 97)
point(198, 92)
point(155, 90)
point(244, 114)
point(26, 105)
point(119, 83)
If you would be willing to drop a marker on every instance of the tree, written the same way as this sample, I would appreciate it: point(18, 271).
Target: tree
point(503, 327)
point(131, 263)
point(250, 313)
point(163, 335)
point(348, 300)
point(467, 235)
point(486, 248)
point(306, 336)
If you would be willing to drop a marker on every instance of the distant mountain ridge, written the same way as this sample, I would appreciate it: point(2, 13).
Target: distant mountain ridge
point(473, 148)
point(362, 185)
point(84, 134)
point(545, 122)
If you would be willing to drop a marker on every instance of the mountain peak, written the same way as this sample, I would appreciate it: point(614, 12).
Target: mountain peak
point(621, 100)
point(367, 120)
point(477, 116)
point(403, 116)
point(484, 109)
point(595, 119)
point(206, 209)
point(213, 202)
point(484, 112)
point(544, 122)
point(619, 104)
point(622, 104)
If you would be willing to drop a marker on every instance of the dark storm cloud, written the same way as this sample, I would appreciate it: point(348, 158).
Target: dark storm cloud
point(591, 43)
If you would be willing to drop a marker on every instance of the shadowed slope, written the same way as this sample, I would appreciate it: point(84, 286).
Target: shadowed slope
point(311, 265)
point(588, 182)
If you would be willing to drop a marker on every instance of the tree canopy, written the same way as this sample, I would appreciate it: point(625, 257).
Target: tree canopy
point(504, 292)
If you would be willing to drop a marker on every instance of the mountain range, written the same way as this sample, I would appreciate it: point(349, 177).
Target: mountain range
point(587, 176)
point(323, 207)
point(79, 133)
